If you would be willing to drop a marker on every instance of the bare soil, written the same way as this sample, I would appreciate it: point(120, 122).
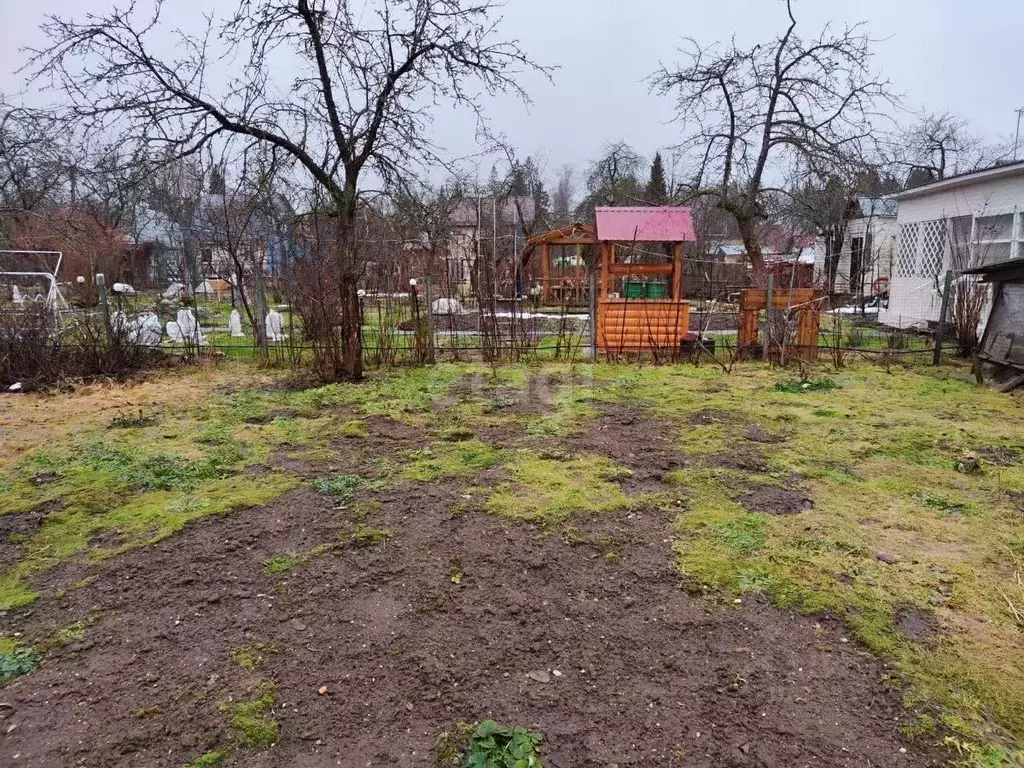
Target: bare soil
point(640, 671)
point(773, 500)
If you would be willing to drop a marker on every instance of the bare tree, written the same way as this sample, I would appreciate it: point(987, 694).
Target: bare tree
point(360, 103)
point(565, 189)
point(614, 178)
point(424, 217)
point(238, 218)
point(31, 169)
point(754, 108)
point(941, 145)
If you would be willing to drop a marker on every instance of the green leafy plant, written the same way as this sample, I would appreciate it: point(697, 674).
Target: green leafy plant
point(494, 746)
point(808, 385)
point(856, 338)
point(17, 663)
point(342, 487)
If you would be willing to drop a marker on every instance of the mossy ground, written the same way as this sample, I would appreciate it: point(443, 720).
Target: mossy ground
point(876, 455)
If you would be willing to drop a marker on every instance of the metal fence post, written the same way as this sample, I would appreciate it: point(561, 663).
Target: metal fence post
point(430, 319)
point(768, 317)
point(946, 289)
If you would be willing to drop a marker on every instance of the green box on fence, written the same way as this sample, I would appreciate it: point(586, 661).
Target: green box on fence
point(633, 290)
point(655, 290)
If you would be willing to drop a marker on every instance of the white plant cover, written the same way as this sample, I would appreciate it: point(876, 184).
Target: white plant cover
point(446, 307)
point(235, 324)
point(275, 326)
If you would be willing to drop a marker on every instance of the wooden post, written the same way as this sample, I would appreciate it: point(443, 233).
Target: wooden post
point(101, 288)
point(262, 343)
point(946, 289)
point(677, 272)
point(592, 277)
point(545, 272)
point(768, 317)
point(976, 367)
point(607, 257)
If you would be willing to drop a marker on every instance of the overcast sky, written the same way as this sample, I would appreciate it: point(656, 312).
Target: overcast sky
point(964, 57)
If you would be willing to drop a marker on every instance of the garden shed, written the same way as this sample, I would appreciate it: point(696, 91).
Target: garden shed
point(1002, 343)
point(640, 305)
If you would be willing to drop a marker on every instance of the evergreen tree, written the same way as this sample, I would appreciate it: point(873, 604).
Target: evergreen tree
point(494, 185)
point(657, 189)
point(535, 187)
point(519, 179)
point(218, 186)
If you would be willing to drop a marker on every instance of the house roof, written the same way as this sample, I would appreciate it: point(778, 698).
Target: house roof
point(1001, 269)
point(961, 180)
point(155, 227)
point(464, 214)
point(877, 206)
point(644, 224)
point(571, 234)
point(731, 250)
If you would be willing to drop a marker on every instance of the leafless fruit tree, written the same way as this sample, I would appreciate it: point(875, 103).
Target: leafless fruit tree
point(751, 110)
point(359, 104)
point(941, 145)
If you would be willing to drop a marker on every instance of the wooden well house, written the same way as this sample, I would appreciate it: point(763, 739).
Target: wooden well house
point(640, 304)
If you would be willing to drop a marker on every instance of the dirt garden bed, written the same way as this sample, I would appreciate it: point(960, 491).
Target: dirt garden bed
point(338, 576)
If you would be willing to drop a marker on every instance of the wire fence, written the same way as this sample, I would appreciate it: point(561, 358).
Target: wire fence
point(418, 327)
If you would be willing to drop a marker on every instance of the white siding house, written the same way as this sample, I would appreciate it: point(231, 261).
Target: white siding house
point(956, 223)
point(869, 247)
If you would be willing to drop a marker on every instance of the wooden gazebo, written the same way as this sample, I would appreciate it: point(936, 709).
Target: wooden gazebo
point(640, 304)
point(563, 268)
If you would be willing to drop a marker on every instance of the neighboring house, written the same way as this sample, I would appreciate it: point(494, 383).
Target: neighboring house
point(955, 224)
point(865, 262)
point(731, 253)
point(497, 225)
point(161, 243)
point(242, 224)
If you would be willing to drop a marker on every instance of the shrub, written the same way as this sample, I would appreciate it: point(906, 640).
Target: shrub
point(37, 350)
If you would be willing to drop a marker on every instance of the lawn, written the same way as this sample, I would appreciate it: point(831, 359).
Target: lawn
point(419, 542)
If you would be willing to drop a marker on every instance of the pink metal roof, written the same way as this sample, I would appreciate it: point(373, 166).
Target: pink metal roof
point(645, 224)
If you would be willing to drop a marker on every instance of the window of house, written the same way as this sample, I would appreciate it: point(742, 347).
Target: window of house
point(922, 248)
point(995, 238)
point(968, 240)
point(907, 258)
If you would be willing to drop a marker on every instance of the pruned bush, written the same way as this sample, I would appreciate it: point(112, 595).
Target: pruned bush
point(37, 349)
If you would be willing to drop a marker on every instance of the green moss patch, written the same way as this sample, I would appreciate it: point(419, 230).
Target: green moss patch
point(448, 460)
point(253, 720)
point(550, 491)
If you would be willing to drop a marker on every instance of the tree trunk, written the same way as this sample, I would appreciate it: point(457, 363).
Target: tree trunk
point(351, 362)
point(834, 238)
point(753, 246)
